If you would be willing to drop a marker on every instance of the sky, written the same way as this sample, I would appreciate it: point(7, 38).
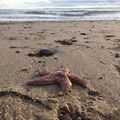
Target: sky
point(55, 3)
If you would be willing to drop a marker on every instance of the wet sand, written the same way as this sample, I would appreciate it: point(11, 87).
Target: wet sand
point(87, 48)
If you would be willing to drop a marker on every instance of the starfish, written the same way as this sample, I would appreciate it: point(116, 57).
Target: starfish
point(61, 77)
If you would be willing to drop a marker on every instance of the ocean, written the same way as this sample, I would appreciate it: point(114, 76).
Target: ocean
point(79, 11)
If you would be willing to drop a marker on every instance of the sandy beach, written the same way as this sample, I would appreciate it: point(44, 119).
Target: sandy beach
point(87, 48)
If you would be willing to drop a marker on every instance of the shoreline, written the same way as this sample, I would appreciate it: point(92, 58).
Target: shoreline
point(95, 54)
point(36, 21)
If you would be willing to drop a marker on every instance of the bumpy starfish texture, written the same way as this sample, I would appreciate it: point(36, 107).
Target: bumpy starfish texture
point(61, 77)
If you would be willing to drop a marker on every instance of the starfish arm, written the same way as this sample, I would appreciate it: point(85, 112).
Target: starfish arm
point(41, 81)
point(44, 73)
point(64, 83)
point(77, 79)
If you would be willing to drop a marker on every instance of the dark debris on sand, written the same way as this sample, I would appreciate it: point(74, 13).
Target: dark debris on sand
point(67, 41)
point(93, 93)
point(117, 55)
point(83, 34)
point(44, 52)
point(109, 35)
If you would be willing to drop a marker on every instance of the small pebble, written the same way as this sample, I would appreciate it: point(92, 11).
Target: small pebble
point(39, 61)
point(24, 69)
point(17, 51)
point(87, 46)
point(117, 55)
point(31, 54)
point(26, 38)
point(55, 58)
point(83, 34)
point(100, 78)
point(25, 27)
point(73, 37)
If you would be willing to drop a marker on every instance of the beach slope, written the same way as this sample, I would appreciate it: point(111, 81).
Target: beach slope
point(87, 48)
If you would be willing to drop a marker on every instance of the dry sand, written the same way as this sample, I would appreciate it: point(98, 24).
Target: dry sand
point(96, 55)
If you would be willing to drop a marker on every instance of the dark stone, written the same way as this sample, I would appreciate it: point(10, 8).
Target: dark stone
point(100, 78)
point(83, 34)
point(24, 69)
point(25, 27)
point(26, 38)
point(31, 54)
point(73, 37)
point(17, 51)
point(117, 55)
point(93, 93)
point(39, 61)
